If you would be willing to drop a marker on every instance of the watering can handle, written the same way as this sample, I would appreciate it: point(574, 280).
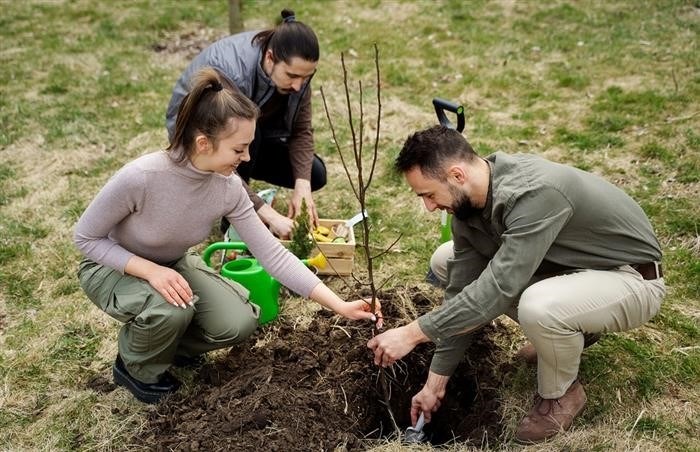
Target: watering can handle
point(206, 255)
point(441, 105)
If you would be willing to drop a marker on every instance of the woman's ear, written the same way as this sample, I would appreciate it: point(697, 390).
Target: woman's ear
point(201, 144)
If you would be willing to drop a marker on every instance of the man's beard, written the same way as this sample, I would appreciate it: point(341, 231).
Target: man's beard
point(462, 207)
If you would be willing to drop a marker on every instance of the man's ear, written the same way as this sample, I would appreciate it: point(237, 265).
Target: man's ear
point(201, 144)
point(269, 56)
point(457, 173)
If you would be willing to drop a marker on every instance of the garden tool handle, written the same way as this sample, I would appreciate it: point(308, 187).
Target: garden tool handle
point(441, 105)
point(420, 423)
point(206, 255)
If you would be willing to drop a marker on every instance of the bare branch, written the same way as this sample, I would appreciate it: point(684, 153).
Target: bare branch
point(337, 145)
point(381, 286)
point(389, 247)
point(349, 105)
point(379, 116)
point(362, 125)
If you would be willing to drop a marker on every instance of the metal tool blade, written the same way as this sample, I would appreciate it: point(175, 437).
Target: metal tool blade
point(416, 434)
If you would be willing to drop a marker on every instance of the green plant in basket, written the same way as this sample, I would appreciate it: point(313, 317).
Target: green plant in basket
point(302, 244)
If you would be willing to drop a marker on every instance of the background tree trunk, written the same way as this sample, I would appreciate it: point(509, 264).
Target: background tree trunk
point(235, 18)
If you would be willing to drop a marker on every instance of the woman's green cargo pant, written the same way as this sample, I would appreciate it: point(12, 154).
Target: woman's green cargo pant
point(155, 331)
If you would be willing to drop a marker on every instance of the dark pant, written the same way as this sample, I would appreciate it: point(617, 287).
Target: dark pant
point(270, 162)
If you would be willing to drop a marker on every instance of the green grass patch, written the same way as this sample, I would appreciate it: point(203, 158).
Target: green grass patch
point(685, 327)
point(68, 432)
point(77, 344)
point(20, 290)
point(641, 105)
point(639, 369)
point(685, 271)
point(569, 77)
point(655, 426)
point(587, 140)
point(607, 124)
point(16, 238)
point(8, 189)
point(682, 217)
point(657, 151)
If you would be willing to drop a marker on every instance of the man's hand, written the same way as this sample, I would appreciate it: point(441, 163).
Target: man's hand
point(394, 344)
point(429, 399)
point(279, 225)
point(302, 190)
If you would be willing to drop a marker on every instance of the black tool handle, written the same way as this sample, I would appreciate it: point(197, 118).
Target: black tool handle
point(441, 105)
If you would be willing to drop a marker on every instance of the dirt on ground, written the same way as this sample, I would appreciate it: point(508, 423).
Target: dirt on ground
point(317, 389)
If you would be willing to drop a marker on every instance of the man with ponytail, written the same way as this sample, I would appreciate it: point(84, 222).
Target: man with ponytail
point(273, 68)
point(137, 232)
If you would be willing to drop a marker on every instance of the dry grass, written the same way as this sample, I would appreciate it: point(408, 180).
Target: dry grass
point(87, 93)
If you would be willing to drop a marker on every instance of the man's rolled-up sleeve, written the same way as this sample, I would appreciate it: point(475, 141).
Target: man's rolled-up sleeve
point(301, 142)
point(464, 267)
point(532, 222)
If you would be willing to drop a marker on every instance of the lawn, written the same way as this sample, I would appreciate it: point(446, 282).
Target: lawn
point(612, 87)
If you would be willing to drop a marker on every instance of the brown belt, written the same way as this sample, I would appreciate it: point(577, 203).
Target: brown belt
point(650, 270)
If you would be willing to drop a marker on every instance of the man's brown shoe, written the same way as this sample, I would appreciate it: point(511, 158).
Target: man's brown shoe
point(528, 354)
point(551, 416)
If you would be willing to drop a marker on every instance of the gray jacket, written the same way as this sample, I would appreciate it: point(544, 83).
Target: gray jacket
point(237, 59)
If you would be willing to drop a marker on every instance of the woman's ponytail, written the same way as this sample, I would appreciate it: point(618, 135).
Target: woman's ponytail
point(207, 109)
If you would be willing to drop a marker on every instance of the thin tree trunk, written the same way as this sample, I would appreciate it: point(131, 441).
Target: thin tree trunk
point(235, 16)
point(359, 183)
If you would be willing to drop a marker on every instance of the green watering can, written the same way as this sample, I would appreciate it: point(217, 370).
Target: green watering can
point(264, 289)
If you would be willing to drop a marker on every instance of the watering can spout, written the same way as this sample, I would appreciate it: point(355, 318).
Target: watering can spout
point(318, 261)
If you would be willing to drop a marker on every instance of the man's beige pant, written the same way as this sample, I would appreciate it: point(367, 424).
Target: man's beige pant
point(554, 313)
point(154, 331)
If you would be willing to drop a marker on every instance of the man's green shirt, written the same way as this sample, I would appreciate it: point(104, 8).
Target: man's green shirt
point(539, 214)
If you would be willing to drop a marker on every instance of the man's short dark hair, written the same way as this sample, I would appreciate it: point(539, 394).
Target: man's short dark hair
point(431, 149)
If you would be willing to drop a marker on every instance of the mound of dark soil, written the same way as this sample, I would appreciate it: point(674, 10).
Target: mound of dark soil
point(317, 389)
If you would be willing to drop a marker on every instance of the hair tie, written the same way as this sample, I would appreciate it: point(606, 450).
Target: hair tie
point(289, 19)
point(216, 86)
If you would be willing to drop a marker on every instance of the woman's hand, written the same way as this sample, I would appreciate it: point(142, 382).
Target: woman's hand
point(172, 286)
point(169, 283)
point(358, 309)
point(353, 310)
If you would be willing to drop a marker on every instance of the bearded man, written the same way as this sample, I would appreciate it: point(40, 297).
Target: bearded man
point(561, 251)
